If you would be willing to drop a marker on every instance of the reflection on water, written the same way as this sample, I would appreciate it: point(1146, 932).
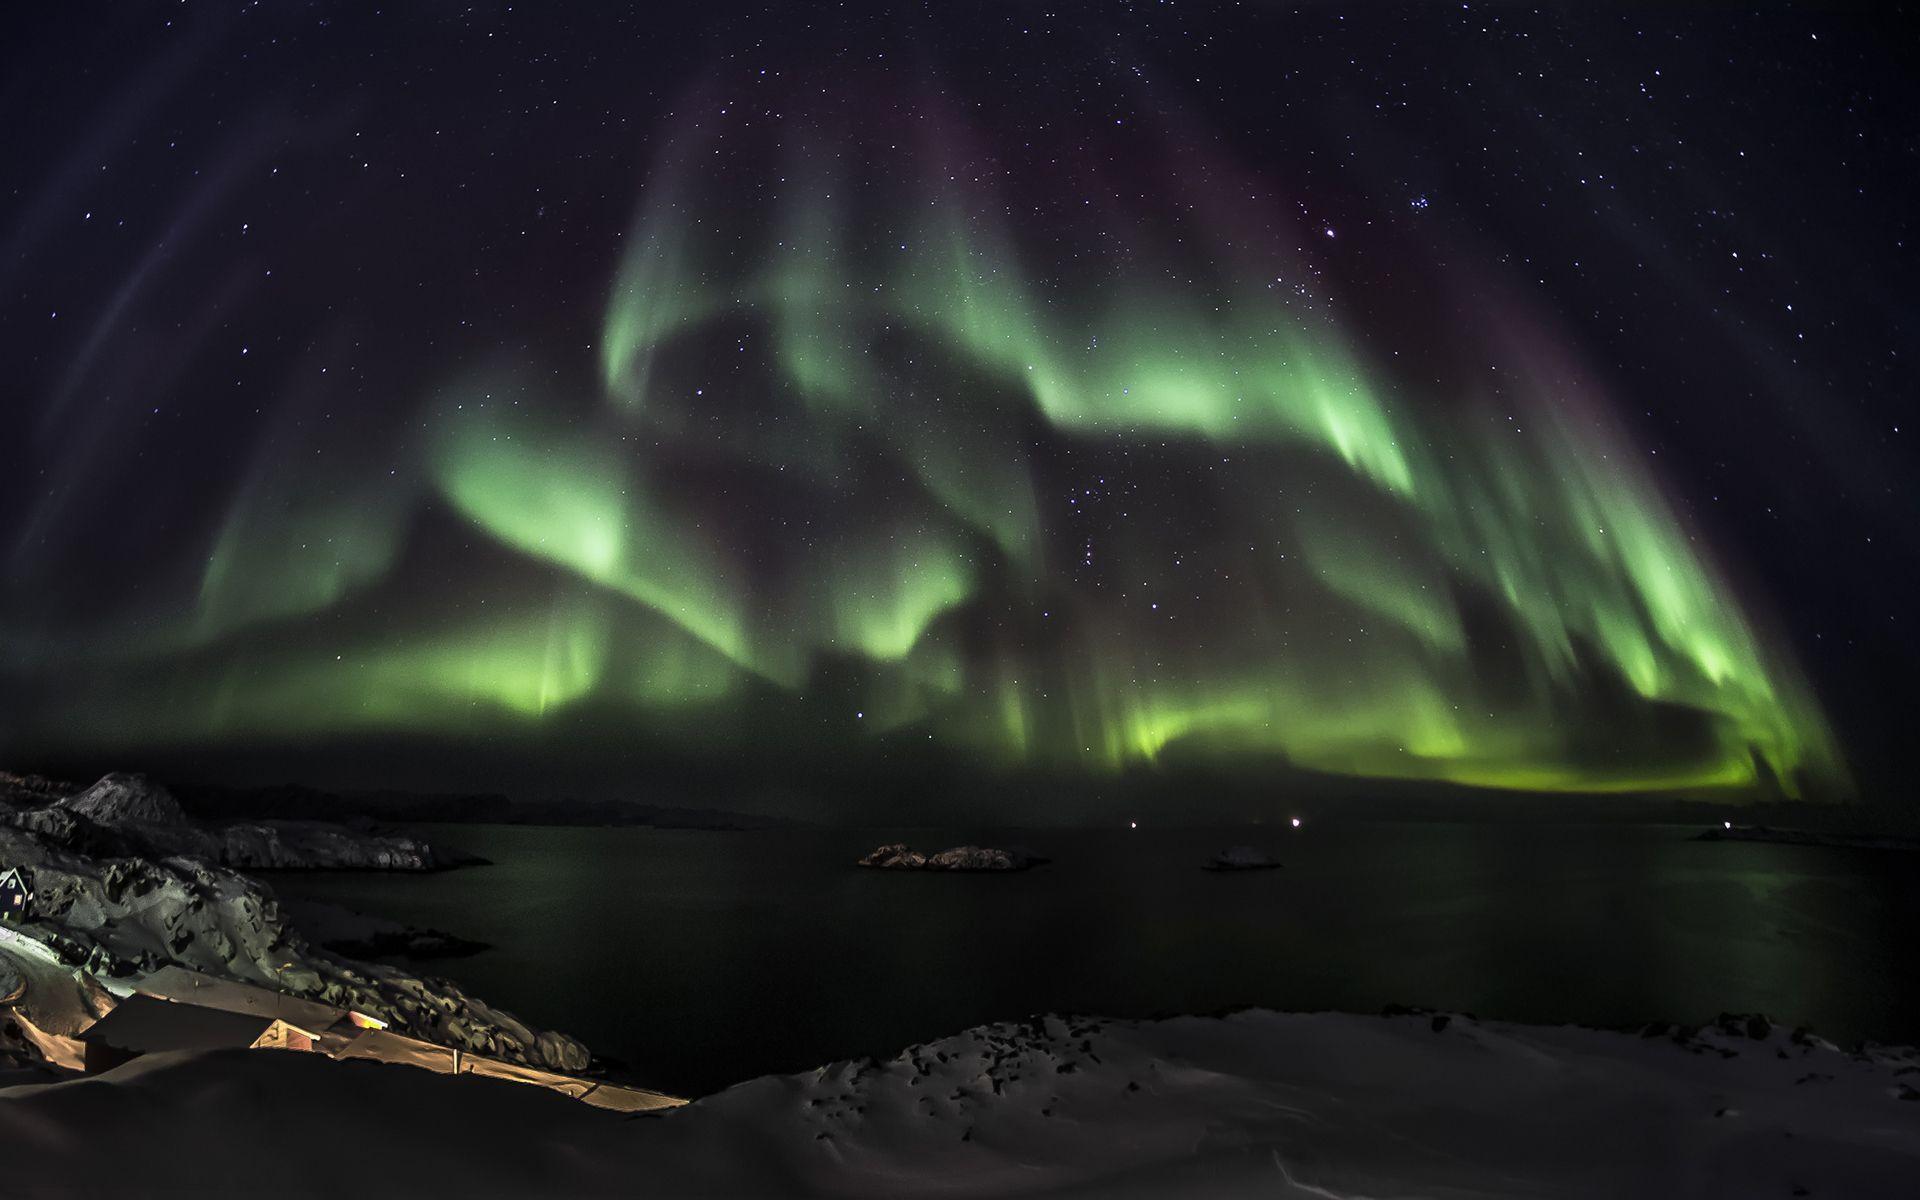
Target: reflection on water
point(703, 958)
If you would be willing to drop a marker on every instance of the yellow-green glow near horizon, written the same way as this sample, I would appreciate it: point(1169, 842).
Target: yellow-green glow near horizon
point(856, 437)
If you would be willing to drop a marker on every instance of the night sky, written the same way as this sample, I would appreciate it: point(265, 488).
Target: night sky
point(1500, 397)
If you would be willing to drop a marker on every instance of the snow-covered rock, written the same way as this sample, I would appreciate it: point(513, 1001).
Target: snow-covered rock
point(127, 916)
point(132, 816)
point(900, 857)
point(121, 799)
point(317, 846)
point(1256, 1104)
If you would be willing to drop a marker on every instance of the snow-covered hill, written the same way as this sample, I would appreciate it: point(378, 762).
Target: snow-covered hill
point(1259, 1103)
point(123, 815)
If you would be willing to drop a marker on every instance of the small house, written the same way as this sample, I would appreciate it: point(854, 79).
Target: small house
point(16, 897)
point(183, 986)
point(147, 1025)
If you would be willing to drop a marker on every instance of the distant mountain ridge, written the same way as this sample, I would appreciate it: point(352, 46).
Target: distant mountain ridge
point(301, 802)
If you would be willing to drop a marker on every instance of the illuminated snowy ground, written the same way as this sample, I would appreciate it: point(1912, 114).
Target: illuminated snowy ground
point(1257, 1103)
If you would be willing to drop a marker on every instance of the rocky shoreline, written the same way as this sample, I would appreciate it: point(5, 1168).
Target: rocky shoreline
point(123, 884)
point(363, 935)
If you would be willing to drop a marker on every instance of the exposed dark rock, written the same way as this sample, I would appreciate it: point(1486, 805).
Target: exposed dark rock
point(31, 791)
point(1752, 1025)
point(895, 856)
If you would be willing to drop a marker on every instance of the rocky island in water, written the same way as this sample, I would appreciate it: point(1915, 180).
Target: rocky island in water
point(1727, 831)
point(1242, 858)
point(901, 857)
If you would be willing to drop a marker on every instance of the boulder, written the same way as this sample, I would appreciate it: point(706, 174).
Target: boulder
point(896, 856)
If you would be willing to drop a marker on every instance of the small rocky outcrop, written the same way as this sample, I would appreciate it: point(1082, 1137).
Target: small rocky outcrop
point(896, 856)
point(360, 935)
point(901, 857)
point(1242, 858)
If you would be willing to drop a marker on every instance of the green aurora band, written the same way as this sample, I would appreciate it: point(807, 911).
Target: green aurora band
point(857, 442)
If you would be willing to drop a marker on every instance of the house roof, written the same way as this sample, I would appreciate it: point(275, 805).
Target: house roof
point(145, 1025)
point(206, 991)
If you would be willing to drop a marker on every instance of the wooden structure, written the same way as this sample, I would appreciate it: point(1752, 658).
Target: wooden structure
point(148, 1025)
point(178, 1009)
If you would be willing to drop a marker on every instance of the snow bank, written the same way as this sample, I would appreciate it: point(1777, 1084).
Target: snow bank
point(1259, 1103)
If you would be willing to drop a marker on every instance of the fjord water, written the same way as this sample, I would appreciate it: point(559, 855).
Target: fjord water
point(702, 958)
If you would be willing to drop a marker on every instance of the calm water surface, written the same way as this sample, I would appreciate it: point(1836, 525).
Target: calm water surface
point(700, 959)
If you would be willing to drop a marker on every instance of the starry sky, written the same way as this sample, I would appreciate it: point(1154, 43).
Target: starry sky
point(1499, 397)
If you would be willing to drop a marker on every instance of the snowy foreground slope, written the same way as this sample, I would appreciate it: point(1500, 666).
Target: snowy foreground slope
point(1254, 1104)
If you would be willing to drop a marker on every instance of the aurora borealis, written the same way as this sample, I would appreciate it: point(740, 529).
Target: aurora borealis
point(862, 403)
